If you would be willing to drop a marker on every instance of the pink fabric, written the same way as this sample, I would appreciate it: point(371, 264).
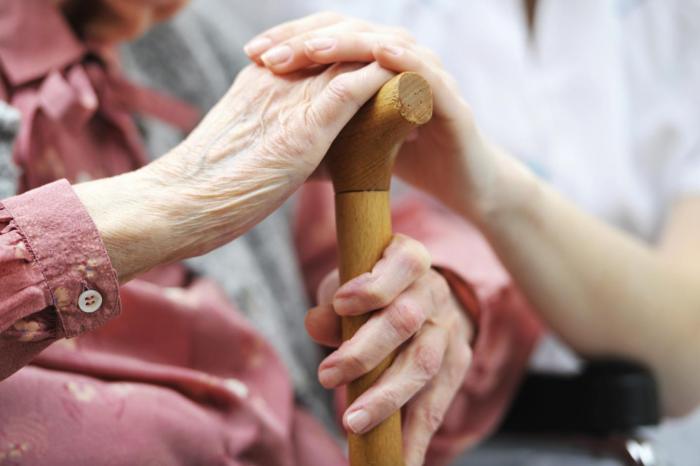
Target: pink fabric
point(179, 377)
point(49, 270)
point(73, 100)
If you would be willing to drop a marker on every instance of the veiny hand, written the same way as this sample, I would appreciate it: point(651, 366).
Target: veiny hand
point(448, 158)
point(252, 151)
point(417, 314)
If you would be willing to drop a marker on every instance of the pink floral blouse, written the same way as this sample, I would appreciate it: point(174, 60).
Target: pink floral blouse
point(164, 370)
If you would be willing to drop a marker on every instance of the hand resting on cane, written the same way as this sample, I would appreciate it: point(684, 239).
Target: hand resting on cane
point(247, 156)
point(418, 313)
point(605, 292)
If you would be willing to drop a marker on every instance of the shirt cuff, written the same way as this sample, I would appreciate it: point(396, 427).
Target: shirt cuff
point(66, 246)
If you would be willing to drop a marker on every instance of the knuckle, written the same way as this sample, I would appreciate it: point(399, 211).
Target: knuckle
point(462, 362)
point(431, 416)
point(465, 356)
point(389, 400)
point(413, 255)
point(405, 318)
point(440, 289)
point(376, 295)
point(340, 91)
point(427, 360)
point(356, 363)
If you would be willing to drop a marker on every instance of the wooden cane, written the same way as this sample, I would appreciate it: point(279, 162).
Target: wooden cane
point(360, 163)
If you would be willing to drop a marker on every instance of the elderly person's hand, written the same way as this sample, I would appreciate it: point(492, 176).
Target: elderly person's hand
point(417, 314)
point(449, 158)
point(252, 151)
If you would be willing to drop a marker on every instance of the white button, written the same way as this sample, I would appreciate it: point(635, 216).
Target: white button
point(89, 301)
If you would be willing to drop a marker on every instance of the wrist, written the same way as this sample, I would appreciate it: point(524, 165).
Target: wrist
point(136, 217)
point(507, 190)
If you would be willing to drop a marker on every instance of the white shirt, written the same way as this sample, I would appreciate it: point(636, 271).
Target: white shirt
point(603, 102)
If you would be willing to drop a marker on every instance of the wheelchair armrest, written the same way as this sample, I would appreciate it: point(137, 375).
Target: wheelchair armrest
point(608, 397)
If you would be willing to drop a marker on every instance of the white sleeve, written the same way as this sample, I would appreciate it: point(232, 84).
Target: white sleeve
point(683, 174)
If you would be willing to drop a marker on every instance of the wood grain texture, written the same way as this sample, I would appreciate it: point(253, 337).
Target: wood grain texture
point(363, 222)
point(360, 163)
point(362, 156)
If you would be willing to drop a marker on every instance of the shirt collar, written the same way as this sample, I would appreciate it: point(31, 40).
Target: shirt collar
point(35, 39)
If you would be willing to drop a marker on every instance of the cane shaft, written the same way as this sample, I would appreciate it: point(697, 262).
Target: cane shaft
point(363, 222)
point(360, 163)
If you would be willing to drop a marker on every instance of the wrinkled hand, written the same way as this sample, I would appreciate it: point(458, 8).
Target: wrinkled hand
point(247, 156)
point(263, 139)
point(448, 158)
point(419, 316)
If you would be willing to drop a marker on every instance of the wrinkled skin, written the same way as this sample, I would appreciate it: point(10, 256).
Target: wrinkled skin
point(253, 149)
point(265, 137)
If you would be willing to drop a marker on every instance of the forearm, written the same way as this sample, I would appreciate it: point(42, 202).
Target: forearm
point(601, 290)
point(134, 219)
point(178, 207)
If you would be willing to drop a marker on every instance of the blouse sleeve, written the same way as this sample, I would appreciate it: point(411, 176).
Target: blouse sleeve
point(56, 279)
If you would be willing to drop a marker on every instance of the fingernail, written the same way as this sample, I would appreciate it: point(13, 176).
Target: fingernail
point(277, 55)
point(330, 377)
point(257, 45)
point(319, 44)
point(358, 421)
point(392, 50)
